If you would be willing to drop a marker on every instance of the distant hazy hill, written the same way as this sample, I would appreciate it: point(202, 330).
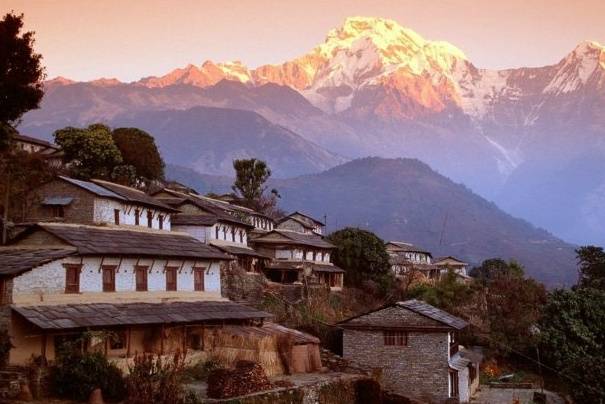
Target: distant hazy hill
point(403, 199)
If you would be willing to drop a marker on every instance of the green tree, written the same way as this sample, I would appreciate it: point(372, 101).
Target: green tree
point(362, 254)
point(494, 267)
point(448, 293)
point(591, 261)
point(139, 150)
point(89, 152)
point(21, 74)
point(249, 186)
point(572, 335)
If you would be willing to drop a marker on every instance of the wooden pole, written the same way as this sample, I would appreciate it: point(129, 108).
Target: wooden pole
point(6, 201)
point(128, 342)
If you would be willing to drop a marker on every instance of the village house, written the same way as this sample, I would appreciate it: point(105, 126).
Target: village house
point(416, 346)
point(33, 145)
point(212, 225)
point(295, 256)
point(97, 202)
point(150, 290)
point(454, 264)
point(301, 223)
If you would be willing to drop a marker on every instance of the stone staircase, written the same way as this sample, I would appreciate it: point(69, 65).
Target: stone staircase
point(11, 378)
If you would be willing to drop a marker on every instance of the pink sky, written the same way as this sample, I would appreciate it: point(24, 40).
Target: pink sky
point(129, 39)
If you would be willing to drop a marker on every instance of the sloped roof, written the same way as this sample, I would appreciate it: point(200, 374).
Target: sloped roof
point(449, 257)
point(299, 265)
point(35, 140)
point(408, 247)
point(238, 250)
point(303, 223)
point(433, 312)
point(292, 237)
point(193, 220)
point(17, 260)
point(93, 188)
point(304, 215)
point(78, 316)
point(100, 240)
point(133, 195)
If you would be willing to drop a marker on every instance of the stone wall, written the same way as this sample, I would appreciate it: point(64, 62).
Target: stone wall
point(418, 370)
point(80, 210)
point(239, 285)
point(7, 300)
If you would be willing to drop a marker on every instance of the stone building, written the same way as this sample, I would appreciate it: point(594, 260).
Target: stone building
point(297, 256)
point(49, 151)
point(301, 223)
point(416, 346)
point(97, 202)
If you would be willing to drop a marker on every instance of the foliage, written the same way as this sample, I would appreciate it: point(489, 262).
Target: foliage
point(572, 335)
point(89, 152)
point(77, 374)
point(448, 293)
point(249, 186)
point(202, 369)
point(362, 255)
point(495, 267)
point(153, 379)
point(5, 347)
point(592, 267)
point(514, 305)
point(21, 74)
point(139, 150)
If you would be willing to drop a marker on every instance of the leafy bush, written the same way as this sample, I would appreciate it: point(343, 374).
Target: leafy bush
point(202, 369)
point(156, 380)
point(77, 374)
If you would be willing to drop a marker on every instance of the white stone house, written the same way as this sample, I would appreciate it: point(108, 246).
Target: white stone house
point(296, 255)
point(98, 202)
point(157, 290)
point(301, 223)
point(416, 347)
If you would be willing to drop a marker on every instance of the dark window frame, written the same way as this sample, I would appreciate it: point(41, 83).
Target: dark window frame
point(171, 286)
point(110, 269)
point(116, 217)
point(137, 214)
point(72, 287)
point(149, 219)
point(199, 279)
point(140, 269)
point(395, 338)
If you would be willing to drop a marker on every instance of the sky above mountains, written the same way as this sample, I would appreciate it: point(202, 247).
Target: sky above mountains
point(84, 40)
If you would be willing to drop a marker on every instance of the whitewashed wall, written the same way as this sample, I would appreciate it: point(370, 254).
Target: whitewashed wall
point(224, 233)
point(50, 278)
point(297, 254)
point(200, 233)
point(104, 213)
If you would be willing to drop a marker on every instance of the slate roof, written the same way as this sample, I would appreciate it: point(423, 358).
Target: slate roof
point(79, 316)
point(133, 195)
point(450, 258)
point(270, 329)
point(299, 265)
point(407, 247)
point(35, 140)
point(237, 250)
point(93, 188)
point(310, 218)
point(99, 240)
point(57, 200)
point(436, 314)
point(312, 240)
point(16, 260)
point(303, 223)
point(193, 220)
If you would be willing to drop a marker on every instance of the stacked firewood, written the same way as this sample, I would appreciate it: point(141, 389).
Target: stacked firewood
point(247, 377)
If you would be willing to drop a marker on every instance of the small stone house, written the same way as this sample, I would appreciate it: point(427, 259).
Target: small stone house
point(301, 223)
point(454, 264)
point(416, 346)
point(295, 256)
point(98, 202)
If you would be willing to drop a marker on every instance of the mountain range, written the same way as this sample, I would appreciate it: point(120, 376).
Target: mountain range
point(531, 139)
point(404, 199)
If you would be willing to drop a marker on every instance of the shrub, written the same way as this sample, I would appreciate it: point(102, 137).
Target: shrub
point(202, 369)
point(152, 379)
point(77, 374)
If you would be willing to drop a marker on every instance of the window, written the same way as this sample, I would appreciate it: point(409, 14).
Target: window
point(233, 234)
point(116, 216)
point(72, 278)
point(453, 383)
point(171, 278)
point(398, 338)
point(149, 219)
point(141, 278)
point(216, 232)
point(137, 214)
point(109, 278)
point(118, 341)
point(195, 341)
point(241, 236)
point(161, 221)
point(314, 255)
point(198, 279)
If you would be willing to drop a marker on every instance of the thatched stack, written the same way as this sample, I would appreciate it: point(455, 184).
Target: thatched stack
point(247, 377)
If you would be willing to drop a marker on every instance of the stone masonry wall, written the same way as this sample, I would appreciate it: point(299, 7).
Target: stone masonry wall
point(418, 370)
point(79, 211)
